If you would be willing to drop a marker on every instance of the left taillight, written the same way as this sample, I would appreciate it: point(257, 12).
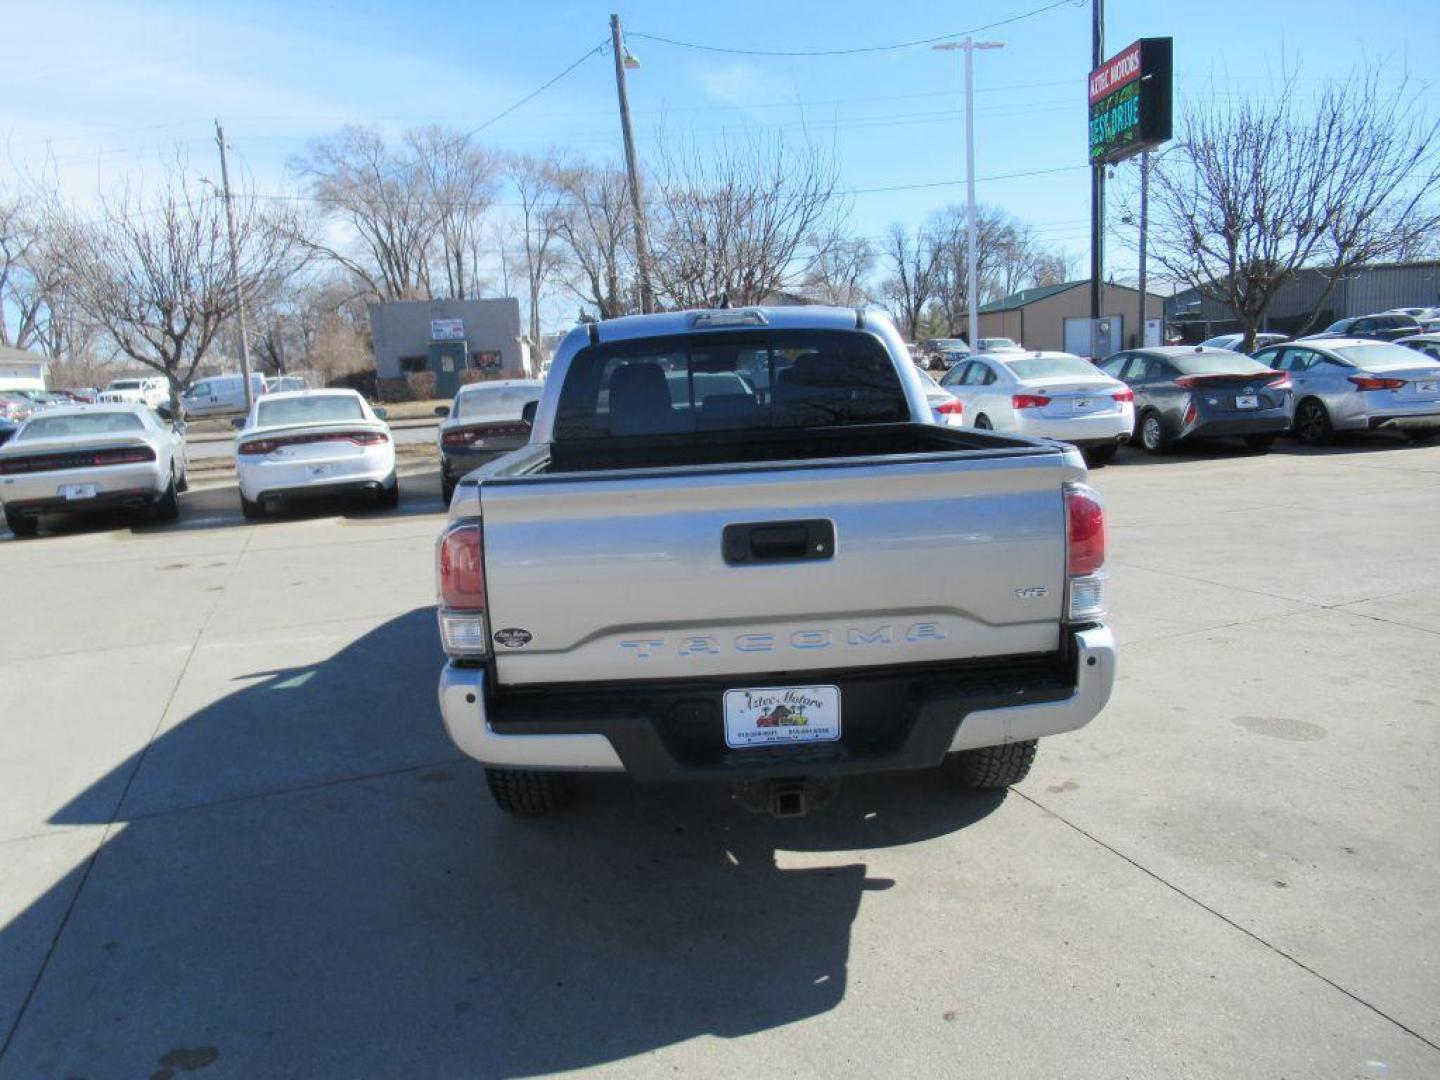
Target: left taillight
point(1084, 553)
point(460, 588)
point(1029, 401)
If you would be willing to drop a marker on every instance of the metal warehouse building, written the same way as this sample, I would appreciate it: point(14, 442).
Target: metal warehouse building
point(1058, 317)
point(449, 338)
point(1366, 291)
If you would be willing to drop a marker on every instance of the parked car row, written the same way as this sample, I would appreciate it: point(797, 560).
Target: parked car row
point(1164, 395)
point(291, 446)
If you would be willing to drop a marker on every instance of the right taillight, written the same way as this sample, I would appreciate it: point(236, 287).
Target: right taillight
point(1369, 382)
point(1084, 553)
point(460, 573)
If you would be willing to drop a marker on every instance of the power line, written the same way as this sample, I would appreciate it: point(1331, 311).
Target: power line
point(600, 47)
point(851, 51)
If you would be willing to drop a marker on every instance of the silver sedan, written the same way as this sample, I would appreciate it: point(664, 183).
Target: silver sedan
point(1358, 384)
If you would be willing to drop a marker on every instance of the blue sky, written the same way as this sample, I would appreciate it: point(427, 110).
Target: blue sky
point(108, 87)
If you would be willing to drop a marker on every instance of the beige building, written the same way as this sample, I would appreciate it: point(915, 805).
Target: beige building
point(1057, 317)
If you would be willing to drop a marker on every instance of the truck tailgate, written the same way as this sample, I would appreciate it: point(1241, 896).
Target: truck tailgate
point(625, 577)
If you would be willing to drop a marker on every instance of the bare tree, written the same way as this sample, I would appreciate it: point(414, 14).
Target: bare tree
point(1260, 188)
point(840, 270)
point(994, 232)
point(596, 227)
point(382, 198)
point(36, 306)
point(740, 222)
point(537, 184)
point(459, 181)
point(153, 270)
point(912, 265)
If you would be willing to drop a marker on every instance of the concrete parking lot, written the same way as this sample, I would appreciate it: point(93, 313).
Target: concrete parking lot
point(235, 842)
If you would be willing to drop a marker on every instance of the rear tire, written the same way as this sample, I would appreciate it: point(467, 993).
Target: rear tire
point(526, 793)
point(1260, 443)
point(168, 508)
point(23, 526)
point(1097, 457)
point(389, 497)
point(1312, 424)
point(183, 484)
point(992, 767)
point(1153, 435)
point(447, 488)
point(253, 511)
point(982, 423)
point(1419, 435)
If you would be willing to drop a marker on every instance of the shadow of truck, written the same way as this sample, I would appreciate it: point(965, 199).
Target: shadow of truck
point(308, 881)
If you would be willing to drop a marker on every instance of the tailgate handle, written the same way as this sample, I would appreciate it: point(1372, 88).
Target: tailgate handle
point(779, 541)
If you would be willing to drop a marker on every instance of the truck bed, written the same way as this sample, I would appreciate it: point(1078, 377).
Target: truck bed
point(747, 447)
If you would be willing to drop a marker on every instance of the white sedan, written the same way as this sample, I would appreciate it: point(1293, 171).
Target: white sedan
point(78, 458)
point(314, 443)
point(1046, 395)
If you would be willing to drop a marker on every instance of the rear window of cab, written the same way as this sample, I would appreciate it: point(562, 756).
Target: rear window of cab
point(751, 380)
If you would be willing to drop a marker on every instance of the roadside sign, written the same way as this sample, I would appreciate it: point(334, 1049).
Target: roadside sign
point(447, 329)
point(1130, 101)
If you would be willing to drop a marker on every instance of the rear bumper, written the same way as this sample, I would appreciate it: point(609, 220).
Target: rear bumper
point(1106, 429)
point(132, 499)
point(1269, 422)
point(132, 485)
point(291, 479)
point(1417, 420)
point(459, 462)
point(898, 718)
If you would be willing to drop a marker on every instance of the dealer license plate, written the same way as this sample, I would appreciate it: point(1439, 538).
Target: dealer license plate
point(1247, 401)
point(78, 491)
point(1431, 388)
point(1081, 404)
point(782, 714)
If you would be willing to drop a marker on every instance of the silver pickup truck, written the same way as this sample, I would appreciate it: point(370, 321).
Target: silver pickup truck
point(738, 548)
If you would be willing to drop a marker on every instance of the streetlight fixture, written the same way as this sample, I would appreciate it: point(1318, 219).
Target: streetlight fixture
point(969, 46)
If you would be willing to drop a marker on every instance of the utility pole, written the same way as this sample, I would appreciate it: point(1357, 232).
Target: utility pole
point(642, 247)
point(1097, 184)
point(1144, 227)
point(235, 270)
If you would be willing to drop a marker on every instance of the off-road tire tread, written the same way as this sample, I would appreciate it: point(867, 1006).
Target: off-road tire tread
point(527, 793)
point(993, 767)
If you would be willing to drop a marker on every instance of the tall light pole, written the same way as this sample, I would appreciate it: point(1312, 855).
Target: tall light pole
point(235, 271)
point(1097, 186)
point(971, 256)
point(1144, 229)
point(624, 60)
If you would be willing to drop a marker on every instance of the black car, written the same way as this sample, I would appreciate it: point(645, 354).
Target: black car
point(1386, 327)
point(1191, 392)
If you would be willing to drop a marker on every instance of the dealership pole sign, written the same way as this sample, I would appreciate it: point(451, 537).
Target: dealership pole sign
point(1130, 101)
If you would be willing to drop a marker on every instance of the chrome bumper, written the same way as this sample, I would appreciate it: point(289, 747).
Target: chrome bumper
point(1095, 664)
point(462, 706)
